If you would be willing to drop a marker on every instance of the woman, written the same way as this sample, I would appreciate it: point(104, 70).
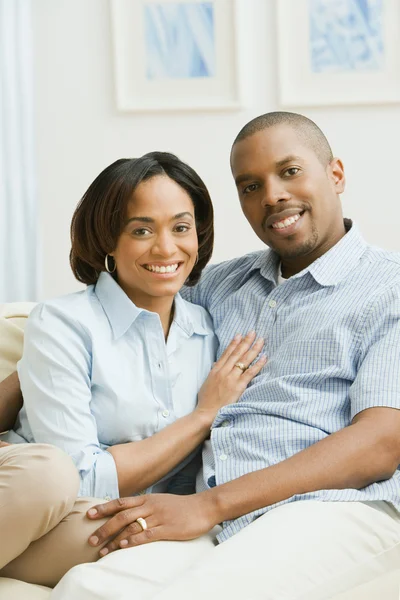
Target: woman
point(116, 375)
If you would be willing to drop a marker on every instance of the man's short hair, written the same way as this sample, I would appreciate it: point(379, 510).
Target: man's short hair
point(306, 129)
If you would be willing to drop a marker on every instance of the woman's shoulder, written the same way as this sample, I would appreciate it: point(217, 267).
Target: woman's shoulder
point(74, 308)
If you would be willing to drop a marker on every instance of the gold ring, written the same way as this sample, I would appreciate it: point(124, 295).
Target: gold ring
point(241, 366)
point(142, 523)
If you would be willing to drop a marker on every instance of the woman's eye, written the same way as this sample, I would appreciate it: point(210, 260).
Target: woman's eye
point(182, 228)
point(250, 188)
point(141, 232)
point(291, 171)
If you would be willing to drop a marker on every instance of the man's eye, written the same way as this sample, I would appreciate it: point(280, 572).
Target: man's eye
point(250, 188)
point(291, 171)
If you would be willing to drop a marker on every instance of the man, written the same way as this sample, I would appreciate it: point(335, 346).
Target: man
point(302, 471)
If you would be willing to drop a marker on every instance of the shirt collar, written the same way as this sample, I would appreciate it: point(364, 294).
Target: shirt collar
point(336, 264)
point(330, 268)
point(189, 318)
point(122, 312)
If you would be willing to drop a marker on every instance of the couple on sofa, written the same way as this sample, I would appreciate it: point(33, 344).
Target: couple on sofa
point(298, 491)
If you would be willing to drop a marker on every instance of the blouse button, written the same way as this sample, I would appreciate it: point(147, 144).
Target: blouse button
point(165, 413)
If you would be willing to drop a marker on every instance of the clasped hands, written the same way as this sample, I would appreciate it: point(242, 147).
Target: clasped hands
point(168, 517)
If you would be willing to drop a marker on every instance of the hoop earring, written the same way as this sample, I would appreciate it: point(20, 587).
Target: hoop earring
point(107, 266)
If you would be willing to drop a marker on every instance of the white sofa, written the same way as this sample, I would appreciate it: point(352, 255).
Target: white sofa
point(12, 321)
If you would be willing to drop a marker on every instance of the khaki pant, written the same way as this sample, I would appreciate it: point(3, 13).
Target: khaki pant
point(304, 550)
point(43, 527)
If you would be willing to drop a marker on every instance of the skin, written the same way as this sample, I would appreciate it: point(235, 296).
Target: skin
point(366, 451)
point(10, 402)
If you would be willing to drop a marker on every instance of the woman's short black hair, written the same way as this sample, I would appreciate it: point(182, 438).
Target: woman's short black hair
point(100, 216)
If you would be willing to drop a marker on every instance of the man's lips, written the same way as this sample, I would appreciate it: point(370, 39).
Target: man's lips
point(281, 216)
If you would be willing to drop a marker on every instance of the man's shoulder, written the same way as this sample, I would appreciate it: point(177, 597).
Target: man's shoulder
point(222, 279)
point(237, 265)
point(385, 263)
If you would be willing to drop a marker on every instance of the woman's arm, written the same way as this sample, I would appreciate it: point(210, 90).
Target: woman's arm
point(55, 379)
point(10, 401)
point(140, 464)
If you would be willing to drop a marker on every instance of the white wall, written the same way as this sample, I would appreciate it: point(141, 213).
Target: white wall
point(79, 132)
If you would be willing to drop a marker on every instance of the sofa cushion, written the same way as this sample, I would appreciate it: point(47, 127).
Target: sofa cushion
point(18, 590)
point(13, 317)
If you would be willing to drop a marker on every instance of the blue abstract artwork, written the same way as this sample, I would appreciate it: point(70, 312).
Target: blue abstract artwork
point(346, 35)
point(180, 40)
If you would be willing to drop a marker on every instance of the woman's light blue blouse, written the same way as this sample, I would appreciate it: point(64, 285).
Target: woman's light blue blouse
point(96, 371)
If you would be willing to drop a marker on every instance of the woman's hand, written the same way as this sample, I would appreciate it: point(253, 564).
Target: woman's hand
point(4, 444)
point(227, 381)
point(167, 516)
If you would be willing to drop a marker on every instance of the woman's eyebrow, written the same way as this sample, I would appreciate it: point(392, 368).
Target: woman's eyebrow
point(150, 220)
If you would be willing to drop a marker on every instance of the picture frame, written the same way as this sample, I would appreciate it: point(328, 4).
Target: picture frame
point(175, 55)
point(338, 52)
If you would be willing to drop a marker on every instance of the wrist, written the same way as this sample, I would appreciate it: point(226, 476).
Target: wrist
point(204, 418)
point(210, 507)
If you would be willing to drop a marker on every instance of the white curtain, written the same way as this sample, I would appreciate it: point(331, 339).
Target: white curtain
point(18, 220)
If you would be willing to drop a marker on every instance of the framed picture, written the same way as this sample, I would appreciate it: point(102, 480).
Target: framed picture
point(338, 51)
point(175, 54)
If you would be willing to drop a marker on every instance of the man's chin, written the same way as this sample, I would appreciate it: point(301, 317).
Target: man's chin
point(290, 251)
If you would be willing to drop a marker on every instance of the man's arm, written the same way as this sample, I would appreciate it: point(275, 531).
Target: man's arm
point(10, 401)
point(366, 451)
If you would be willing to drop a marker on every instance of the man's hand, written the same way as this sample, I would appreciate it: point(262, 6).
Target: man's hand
point(168, 517)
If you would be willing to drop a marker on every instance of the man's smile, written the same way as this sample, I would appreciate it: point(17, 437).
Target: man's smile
point(285, 222)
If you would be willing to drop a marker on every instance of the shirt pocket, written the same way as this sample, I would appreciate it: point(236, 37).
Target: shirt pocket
point(319, 358)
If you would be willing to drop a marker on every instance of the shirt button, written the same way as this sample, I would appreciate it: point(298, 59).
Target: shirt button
point(165, 413)
point(211, 481)
point(223, 457)
point(272, 303)
point(225, 424)
point(107, 498)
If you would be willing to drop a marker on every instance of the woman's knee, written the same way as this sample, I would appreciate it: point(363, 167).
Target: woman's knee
point(46, 474)
point(60, 476)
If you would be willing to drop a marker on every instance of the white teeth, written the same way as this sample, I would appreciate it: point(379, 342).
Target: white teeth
point(162, 269)
point(286, 222)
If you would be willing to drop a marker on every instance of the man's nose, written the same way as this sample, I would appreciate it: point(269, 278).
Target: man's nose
point(274, 192)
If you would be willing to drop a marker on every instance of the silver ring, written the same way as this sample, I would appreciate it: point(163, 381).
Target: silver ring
point(142, 522)
point(241, 366)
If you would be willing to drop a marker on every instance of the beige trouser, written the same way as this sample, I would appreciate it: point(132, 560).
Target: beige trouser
point(43, 528)
point(304, 550)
